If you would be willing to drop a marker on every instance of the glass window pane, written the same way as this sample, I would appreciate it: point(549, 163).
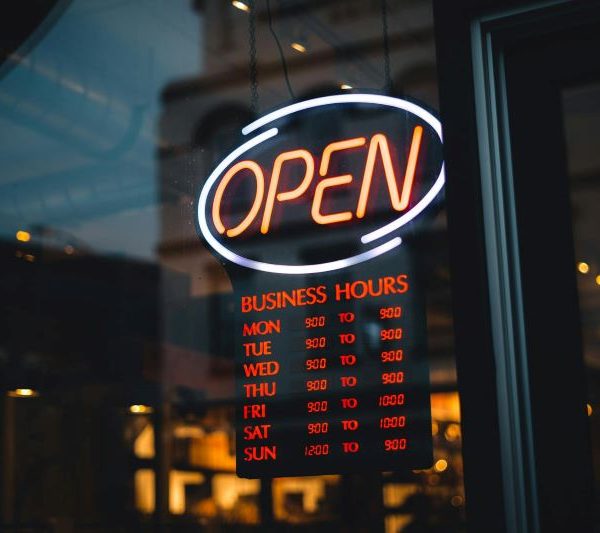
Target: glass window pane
point(581, 112)
point(116, 348)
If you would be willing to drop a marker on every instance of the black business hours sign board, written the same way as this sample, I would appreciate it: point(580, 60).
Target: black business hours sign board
point(313, 216)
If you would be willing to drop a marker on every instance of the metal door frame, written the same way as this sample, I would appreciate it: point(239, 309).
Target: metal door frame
point(494, 354)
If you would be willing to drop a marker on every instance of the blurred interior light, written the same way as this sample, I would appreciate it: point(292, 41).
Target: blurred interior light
point(395, 494)
point(583, 267)
point(23, 236)
point(189, 432)
point(227, 489)
point(457, 500)
point(445, 407)
point(145, 497)
point(23, 393)
point(589, 410)
point(452, 432)
point(140, 409)
point(240, 5)
point(433, 479)
point(69, 249)
point(440, 465)
point(345, 86)
point(143, 446)
point(29, 257)
point(598, 279)
point(177, 488)
point(299, 47)
point(213, 451)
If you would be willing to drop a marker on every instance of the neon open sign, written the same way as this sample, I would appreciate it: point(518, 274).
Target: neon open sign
point(368, 182)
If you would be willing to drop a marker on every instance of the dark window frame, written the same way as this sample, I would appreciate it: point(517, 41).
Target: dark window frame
point(497, 295)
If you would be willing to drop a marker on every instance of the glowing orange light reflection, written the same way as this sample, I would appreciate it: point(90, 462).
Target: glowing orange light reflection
point(318, 199)
point(287, 195)
point(336, 147)
point(260, 190)
point(379, 143)
point(378, 147)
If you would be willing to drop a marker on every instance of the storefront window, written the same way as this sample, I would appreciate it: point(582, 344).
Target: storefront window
point(581, 111)
point(116, 348)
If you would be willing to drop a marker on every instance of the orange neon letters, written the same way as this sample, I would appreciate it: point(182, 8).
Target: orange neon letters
point(316, 206)
point(379, 142)
point(336, 147)
point(288, 195)
point(333, 181)
point(260, 191)
point(378, 147)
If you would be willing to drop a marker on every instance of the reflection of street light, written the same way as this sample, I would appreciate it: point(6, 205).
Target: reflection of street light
point(583, 267)
point(23, 393)
point(23, 236)
point(299, 47)
point(240, 5)
point(440, 465)
point(140, 409)
point(345, 87)
point(452, 432)
point(589, 410)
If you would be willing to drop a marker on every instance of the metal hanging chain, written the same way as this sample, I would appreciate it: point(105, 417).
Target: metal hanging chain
point(253, 68)
point(281, 55)
point(388, 84)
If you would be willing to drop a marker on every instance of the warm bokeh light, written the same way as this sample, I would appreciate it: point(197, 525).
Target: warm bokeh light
point(589, 410)
point(457, 500)
point(312, 490)
point(433, 479)
point(445, 407)
point(440, 465)
point(395, 494)
point(177, 488)
point(143, 446)
point(452, 432)
point(396, 522)
point(299, 47)
point(69, 249)
point(240, 5)
point(145, 496)
point(23, 393)
point(140, 409)
point(29, 257)
point(598, 279)
point(23, 236)
point(583, 267)
point(188, 432)
point(228, 489)
point(213, 451)
point(345, 86)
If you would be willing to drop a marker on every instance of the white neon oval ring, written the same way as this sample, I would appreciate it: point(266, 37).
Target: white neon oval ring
point(388, 101)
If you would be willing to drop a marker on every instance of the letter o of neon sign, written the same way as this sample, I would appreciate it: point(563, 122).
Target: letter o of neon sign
point(260, 191)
